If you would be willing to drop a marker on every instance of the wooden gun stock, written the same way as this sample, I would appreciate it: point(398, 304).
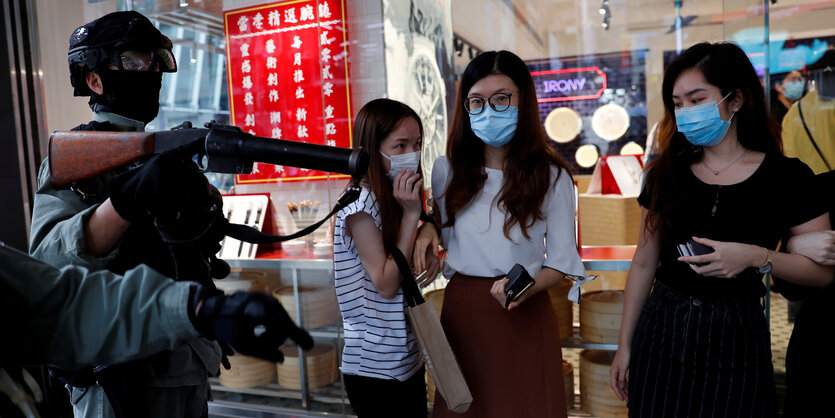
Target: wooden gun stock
point(75, 156)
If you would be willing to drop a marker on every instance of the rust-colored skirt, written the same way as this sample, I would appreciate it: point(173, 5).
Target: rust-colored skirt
point(511, 359)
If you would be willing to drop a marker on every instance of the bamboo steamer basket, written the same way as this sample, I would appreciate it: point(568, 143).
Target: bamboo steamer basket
point(600, 314)
point(321, 366)
point(319, 305)
point(437, 298)
point(568, 378)
point(596, 394)
point(562, 307)
point(247, 372)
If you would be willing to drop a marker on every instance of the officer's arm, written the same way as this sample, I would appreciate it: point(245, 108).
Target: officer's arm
point(71, 317)
point(103, 230)
point(59, 220)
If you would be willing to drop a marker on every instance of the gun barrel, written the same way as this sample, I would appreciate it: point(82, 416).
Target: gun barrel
point(310, 156)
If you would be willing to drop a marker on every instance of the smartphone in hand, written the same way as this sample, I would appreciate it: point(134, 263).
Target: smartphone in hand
point(692, 248)
point(519, 281)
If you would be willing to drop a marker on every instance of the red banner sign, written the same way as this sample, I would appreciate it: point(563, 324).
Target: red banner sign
point(287, 65)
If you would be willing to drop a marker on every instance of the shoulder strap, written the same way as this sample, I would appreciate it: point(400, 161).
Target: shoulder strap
point(411, 293)
point(815, 144)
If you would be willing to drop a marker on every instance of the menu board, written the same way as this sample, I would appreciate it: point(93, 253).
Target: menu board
point(287, 64)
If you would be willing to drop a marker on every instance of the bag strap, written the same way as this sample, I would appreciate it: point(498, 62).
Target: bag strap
point(411, 293)
point(254, 236)
point(811, 138)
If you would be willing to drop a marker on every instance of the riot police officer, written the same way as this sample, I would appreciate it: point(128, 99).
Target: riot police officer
point(159, 213)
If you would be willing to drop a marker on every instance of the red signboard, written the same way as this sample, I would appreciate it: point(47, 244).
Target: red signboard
point(287, 64)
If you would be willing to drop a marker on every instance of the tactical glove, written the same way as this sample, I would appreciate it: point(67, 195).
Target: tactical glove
point(168, 184)
point(252, 323)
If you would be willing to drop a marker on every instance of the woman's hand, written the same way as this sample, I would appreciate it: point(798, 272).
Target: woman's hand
point(407, 186)
point(426, 246)
point(497, 290)
point(430, 273)
point(818, 246)
point(617, 373)
point(727, 260)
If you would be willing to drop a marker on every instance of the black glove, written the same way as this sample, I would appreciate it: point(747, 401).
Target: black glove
point(200, 220)
point(167, 185)
point(234, 318)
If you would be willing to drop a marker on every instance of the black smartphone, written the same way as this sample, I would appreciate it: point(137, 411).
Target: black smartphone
point(698, 249)
point(519, 281)
point(692, 248)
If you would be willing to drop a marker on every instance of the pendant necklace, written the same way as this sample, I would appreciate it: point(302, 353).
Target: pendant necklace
point(716, 172)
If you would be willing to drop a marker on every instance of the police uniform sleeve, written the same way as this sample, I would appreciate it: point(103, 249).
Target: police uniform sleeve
point(71, 317)
point(57, 232)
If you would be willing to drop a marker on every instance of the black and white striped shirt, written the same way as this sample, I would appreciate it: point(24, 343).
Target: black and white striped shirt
point(378, 340)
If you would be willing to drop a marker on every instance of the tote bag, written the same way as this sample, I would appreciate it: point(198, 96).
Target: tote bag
point(449, 381)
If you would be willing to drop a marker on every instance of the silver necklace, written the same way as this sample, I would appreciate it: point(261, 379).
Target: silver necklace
point(716, 172)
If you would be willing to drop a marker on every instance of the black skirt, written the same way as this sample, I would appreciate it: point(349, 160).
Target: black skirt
point(699, 357)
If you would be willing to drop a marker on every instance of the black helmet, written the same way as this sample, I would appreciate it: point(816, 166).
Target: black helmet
point(102, 41)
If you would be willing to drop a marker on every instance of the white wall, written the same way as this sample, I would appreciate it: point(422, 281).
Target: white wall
point(56, 20)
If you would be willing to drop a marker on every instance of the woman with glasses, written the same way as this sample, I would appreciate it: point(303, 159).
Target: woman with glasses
point(503, 197)
point(698, 343)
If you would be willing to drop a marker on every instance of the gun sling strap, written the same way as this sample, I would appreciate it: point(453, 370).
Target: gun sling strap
point(254, 236)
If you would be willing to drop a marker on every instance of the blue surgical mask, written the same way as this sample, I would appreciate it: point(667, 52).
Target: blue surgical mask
point(402, 162)
point(701, 124)
point(794, 89)
point(495, 128)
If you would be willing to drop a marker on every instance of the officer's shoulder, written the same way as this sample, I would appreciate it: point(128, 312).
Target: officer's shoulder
point(95, 126)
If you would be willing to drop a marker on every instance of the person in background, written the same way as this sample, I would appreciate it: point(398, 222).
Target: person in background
point(809, 132)
point(73, 317)
point(808, 355)
point(504, 197)
point(698, 344)
point(809, 125)
point(382, 365)
point(785, 92)
point(158, 213)
point(809, 352)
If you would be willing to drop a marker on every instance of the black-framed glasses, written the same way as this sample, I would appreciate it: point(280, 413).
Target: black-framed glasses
point(498, 101)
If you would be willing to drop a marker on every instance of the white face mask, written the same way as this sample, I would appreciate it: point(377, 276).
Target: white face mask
point(402, 162)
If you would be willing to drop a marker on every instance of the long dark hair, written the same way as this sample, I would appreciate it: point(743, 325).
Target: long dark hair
point(527, 170)
point(725, 66)
point(374, 122)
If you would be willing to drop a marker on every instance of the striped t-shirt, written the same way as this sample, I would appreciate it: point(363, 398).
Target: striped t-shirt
point(378, 340)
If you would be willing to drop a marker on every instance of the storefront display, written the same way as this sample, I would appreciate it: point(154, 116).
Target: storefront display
point(606, 91)
point(300, 69)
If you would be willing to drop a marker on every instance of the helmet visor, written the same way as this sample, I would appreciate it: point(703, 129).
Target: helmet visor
point(160, 59)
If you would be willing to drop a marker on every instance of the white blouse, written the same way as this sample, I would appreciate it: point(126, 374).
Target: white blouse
point(476, 244)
